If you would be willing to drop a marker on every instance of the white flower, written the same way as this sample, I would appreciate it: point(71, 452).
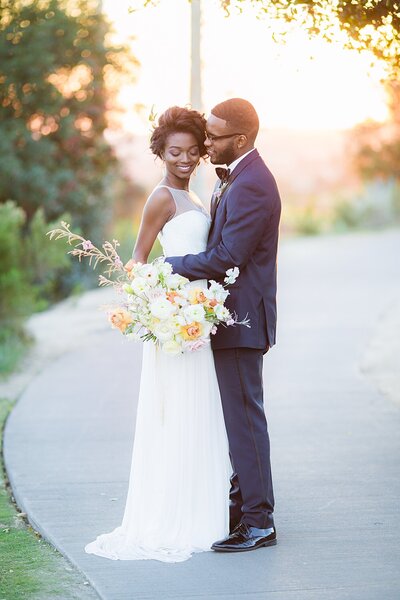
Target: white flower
point(221, 312)
point(149, 273)
point(194, 312)
point(164, 268)
point(162, 309)
point(139, 285)
point(207, 329)
point(216, 292)
point(171, 347)
point(155, 293)
point(175, 280)
point(231, 275)
point(163, 331)
point(175, 323)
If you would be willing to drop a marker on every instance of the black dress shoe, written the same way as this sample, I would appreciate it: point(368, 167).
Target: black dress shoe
point(245, 538)
point(233, 523)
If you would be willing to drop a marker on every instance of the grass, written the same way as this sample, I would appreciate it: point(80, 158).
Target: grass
point(14, 344)
point(30, 568)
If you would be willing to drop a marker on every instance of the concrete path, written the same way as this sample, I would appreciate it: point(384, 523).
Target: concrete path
point(335, 445)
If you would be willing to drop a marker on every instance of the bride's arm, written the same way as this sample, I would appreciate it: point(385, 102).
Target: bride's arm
point(159, 208)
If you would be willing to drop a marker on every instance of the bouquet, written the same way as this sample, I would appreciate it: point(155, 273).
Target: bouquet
point(156, 304)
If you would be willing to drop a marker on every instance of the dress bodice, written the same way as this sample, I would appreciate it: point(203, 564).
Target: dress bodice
point(187, 231)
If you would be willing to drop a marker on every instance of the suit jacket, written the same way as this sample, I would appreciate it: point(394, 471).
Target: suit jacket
point(243, 233)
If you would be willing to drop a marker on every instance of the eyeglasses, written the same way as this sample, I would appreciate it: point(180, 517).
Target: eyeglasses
point(212, 138)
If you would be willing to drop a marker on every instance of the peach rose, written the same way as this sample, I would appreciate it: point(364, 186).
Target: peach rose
point(191, 331)
point(120, 319)
point(171, 296)
point(196, 296)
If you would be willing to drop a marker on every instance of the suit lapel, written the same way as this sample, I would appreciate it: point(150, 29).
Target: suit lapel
point(241, 166)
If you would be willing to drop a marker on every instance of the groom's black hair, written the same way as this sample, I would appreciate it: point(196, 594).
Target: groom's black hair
point(240, 115)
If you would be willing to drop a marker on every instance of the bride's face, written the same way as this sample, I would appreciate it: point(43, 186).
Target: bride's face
point(181, 154)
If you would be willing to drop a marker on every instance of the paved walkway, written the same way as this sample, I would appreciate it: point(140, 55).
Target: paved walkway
point(335, 443)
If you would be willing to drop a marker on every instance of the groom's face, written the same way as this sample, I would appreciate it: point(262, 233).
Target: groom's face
point(221, 141)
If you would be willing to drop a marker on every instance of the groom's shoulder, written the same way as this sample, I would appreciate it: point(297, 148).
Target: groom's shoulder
point(257, 174)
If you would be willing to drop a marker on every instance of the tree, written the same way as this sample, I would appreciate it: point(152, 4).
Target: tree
point(54, 66)
point(366, 25)
point(377, 145)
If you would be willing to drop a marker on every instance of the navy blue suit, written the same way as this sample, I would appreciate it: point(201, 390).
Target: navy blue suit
point(244, 233)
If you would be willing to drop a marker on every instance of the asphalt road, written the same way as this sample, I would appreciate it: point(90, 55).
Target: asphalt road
point(335, 445)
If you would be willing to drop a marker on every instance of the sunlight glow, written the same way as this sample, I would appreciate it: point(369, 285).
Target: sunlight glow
point(305, 84)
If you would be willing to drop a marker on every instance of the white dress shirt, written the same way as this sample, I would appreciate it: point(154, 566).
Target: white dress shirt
point(235, 163)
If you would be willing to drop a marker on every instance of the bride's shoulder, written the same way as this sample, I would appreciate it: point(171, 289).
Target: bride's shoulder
point(161, 199)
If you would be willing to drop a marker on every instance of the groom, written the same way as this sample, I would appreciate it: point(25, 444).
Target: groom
point(245, 212)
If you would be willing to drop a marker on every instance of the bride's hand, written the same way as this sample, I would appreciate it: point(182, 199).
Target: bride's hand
point(129, 265)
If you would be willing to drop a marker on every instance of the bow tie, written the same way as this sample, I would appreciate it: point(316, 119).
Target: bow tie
point(223, 174)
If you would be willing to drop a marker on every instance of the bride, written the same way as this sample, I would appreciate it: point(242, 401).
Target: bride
point(178, 497)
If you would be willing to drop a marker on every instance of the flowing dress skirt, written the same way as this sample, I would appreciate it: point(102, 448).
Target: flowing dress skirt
point(178, 498)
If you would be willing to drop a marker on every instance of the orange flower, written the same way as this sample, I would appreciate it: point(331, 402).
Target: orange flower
point(191, 331)
point(120, 319)
point(196, 296)
point(171, 296)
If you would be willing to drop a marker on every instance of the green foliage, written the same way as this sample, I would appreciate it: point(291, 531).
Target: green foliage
point(30, 266)
point(47, 265)
point(58, 77)
point(16, 295)
point(33, 272)
point(304, 220)
point(54, 63)
point(14, 343)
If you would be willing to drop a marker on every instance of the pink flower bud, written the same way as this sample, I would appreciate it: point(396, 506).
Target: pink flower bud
point(87, 245)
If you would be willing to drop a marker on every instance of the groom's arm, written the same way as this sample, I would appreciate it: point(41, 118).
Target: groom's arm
point(248, 212)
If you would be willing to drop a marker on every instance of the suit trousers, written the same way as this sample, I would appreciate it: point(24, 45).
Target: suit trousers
point(239, 373)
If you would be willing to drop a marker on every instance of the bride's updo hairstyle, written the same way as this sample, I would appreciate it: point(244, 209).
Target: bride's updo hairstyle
point(178, 120)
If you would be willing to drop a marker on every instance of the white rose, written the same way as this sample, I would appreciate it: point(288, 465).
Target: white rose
point(162, 309)
point(139, 285)
point(164, 268)
point(194, 312)
point(221, 312)
point(171, 347)
point(175, 280)
point(163, 332)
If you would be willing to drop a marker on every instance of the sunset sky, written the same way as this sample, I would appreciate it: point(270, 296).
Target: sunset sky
point(302, 85)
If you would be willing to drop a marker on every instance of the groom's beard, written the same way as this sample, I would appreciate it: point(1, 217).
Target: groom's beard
point(224, 157)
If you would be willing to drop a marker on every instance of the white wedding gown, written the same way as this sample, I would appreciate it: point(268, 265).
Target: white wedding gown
point(178, 498)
